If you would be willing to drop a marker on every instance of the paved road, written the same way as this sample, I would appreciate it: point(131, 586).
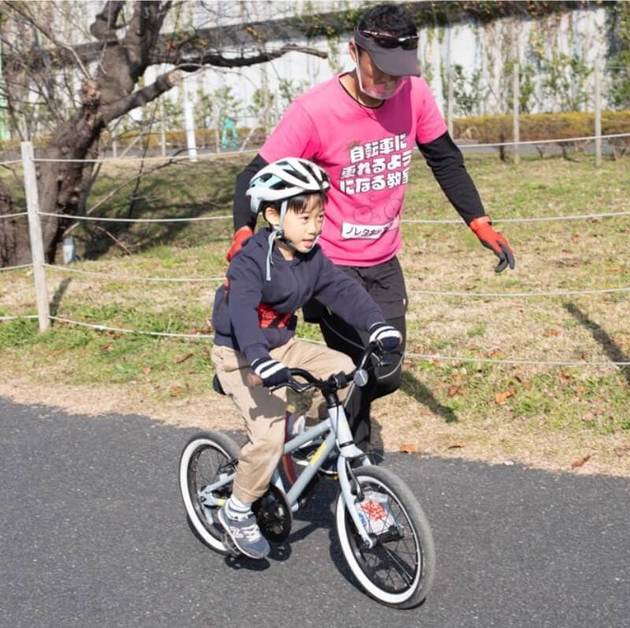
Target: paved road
point(92, 533)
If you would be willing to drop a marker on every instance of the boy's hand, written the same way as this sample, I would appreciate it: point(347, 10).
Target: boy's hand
point(238, 239)
point(271, 372)
point(387, 337)
point(493, 240)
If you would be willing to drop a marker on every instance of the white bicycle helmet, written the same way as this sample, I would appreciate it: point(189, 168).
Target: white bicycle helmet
point(278, 182)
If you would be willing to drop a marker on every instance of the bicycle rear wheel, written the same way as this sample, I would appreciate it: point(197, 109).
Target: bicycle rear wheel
point(398, 570)
point(205, 459)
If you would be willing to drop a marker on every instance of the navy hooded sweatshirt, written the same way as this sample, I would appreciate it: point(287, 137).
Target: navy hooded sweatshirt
point(235, 316)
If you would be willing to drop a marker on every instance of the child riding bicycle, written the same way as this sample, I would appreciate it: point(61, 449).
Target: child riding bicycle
point(275, 273)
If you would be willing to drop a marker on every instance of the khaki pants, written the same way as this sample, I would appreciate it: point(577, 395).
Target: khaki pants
point(264, 412)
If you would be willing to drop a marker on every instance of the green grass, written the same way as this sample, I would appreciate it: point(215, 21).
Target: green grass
point(579, 403)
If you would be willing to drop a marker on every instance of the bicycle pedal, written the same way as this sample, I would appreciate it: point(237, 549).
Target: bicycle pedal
point(230, 546)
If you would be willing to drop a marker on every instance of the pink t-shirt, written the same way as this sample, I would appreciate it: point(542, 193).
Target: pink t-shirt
point(367, 154)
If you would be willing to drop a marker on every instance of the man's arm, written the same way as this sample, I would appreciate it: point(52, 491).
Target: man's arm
point(244, 219)
point(447, 164)
point(241, 211)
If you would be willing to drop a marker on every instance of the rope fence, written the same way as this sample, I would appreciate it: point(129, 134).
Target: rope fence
point(15, 318)
point(426, 221)
point(131, 278)
point(421, 356)
point(512, 295)
point(131, 220)
point(174, 158)
point(122, 330)
point(551, 141)
point(14, 215)
point(18, 267)
point(226, 154)
point(452, 358)
point(445, 293)
point(454, 221)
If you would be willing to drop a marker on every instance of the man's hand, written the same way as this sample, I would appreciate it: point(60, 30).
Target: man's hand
point(271, 372)
point(493, 240)
point(240, 235)
point(387, 337)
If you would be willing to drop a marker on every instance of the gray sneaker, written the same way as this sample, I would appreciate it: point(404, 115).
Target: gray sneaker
point(244, 532)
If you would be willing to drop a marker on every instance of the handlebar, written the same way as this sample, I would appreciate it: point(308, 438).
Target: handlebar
point(337, 381)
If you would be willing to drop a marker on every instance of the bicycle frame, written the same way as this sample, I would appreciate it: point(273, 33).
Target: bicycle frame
point(337, 435)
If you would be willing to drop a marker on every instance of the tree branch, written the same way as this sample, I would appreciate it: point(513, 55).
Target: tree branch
point(194, 63)
point(104, 25)
point(141, 97)
point(17, 8)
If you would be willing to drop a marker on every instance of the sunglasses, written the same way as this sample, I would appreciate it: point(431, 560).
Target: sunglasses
point(389, 41)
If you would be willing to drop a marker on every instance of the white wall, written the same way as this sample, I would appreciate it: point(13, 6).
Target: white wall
point(474, 47)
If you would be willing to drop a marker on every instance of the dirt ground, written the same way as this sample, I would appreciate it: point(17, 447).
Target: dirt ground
point(416, 430)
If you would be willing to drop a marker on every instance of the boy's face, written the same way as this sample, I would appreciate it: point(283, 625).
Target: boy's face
point(303, 227)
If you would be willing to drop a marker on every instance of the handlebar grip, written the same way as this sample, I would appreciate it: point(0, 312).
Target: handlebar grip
point(293, 385)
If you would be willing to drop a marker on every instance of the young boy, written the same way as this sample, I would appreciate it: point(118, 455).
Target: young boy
point(276, 272)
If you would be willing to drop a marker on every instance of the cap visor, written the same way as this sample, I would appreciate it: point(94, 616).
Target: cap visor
point(396, 62)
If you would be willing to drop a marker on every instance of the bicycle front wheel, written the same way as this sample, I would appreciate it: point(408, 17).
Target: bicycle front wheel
point(398, 570)
point(206, 458)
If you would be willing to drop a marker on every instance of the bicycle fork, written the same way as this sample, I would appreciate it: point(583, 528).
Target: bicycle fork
point(347, 452)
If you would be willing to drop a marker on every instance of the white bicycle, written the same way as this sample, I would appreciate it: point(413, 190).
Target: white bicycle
point(384, 535)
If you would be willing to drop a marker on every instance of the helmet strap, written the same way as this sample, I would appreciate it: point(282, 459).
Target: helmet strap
point(277, 233)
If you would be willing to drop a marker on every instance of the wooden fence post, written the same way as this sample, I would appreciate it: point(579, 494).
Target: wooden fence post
point(516, 105)
point(162, 131)
point(189, 123)
point(35, 233)
point(450, 86)
point(598, 117)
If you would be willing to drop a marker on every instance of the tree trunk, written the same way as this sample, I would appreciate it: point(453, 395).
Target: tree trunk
point(107, 94)
point(14, 242)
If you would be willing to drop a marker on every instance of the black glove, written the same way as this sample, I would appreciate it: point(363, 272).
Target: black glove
point(272, 372)
point(387, 337)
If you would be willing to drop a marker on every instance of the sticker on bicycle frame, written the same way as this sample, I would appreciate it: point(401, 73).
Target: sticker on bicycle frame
point(350, 231)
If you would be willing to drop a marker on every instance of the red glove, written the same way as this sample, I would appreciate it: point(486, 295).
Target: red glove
point(242, 234)
point(493, 240)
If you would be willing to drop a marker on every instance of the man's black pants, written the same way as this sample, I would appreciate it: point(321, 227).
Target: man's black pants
point(385, 283)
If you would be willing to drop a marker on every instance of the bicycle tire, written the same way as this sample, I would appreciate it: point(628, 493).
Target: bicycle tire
point(407, 584)
point(219, 449)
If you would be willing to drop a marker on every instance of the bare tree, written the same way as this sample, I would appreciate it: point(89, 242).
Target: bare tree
point(76, 90)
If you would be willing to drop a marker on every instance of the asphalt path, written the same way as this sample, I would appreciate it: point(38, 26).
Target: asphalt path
point(93, 533)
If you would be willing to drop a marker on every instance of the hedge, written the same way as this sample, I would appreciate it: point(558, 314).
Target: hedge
point(544, 126)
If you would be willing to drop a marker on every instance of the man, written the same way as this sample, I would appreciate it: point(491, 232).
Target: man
point(360, 127)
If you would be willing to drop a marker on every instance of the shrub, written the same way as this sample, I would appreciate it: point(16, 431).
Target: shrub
point(544, 126)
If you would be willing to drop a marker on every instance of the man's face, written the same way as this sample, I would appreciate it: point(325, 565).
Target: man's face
point(372, 81)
